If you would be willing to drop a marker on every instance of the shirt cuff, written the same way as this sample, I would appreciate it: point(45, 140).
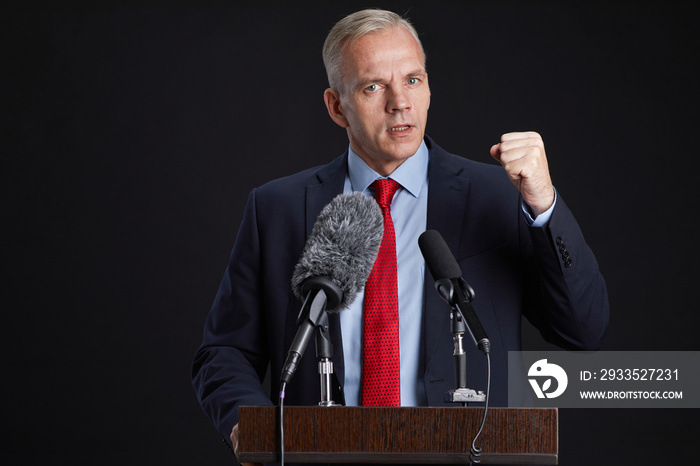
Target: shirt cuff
point(542, 219)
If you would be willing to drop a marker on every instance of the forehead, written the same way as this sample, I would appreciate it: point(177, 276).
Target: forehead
point(384, 51)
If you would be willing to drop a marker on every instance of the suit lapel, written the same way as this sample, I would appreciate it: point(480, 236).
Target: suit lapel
point(331, 179)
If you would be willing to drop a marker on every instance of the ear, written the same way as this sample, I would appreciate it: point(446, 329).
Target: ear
point(332, 99)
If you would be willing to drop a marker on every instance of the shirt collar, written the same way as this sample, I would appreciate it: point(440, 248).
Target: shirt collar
point(411, 174)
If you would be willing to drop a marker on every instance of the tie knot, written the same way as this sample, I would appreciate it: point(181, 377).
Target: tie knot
point(384, 191)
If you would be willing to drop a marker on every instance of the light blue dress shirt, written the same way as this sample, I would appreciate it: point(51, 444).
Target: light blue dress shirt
point(409, 212)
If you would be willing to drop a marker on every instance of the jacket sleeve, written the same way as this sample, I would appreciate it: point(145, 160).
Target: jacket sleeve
point(231, 362)
point(568, 299)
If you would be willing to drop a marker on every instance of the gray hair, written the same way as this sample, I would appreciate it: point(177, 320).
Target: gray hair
point(352, 27)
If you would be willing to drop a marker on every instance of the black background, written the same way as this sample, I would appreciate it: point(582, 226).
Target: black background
point(131, 135)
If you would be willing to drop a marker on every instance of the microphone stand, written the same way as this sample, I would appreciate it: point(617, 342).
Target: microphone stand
point(459, 327)
point(461, 394)
point(324, 353)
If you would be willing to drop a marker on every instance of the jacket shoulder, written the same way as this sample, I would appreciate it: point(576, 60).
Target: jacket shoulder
point(297, 182)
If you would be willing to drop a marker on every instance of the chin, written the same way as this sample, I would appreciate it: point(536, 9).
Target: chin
point(405, 149)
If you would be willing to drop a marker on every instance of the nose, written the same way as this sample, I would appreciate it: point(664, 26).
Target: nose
point(397, 100)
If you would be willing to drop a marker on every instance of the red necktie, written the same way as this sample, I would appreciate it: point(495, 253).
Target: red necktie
point(381, 383)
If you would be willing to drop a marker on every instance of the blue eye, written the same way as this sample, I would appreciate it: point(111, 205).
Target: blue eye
point(372, 87)
point(412, 81)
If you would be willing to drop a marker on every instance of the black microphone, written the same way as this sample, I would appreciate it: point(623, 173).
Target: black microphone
point(450, 284)
point(334, 266)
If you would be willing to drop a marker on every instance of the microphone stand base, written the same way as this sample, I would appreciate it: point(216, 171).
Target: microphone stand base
point(328, 403)
point(465, 395)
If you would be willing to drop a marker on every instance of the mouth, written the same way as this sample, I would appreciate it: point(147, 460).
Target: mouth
point(396, 129)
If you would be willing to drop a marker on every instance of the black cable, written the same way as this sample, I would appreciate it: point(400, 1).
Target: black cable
point(475, 452)
point(283, 387)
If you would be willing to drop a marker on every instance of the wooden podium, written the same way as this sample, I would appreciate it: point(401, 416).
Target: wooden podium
point(423, 435)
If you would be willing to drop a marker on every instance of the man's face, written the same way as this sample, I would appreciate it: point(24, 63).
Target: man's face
point(385, 98)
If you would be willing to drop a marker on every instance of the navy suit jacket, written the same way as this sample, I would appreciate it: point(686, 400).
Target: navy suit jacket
point(547, 274)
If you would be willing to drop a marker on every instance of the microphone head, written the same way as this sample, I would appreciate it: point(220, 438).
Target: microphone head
point(343, 246)
point(437, 255)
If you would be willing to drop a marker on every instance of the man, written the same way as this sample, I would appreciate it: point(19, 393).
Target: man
point(516, 242)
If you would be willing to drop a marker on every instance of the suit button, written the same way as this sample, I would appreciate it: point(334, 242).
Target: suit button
point(559, 241)
point(565, 256)
point(567, 263)
point(562, 248)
